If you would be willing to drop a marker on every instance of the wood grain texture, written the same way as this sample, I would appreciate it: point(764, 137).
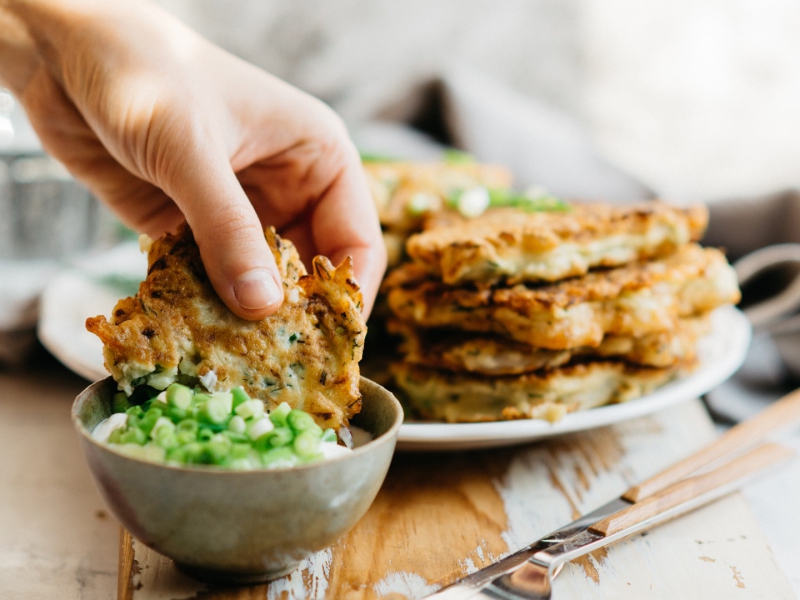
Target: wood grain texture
point(775, 418)
point(687, 489)
point(127, 562)
point(441, 516)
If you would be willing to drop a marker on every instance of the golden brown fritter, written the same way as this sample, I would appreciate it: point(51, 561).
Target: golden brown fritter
point(515, 246)
point(177, 328)
point(634, 300)
point(458, 397)
point(489, 354)
point(405, 191)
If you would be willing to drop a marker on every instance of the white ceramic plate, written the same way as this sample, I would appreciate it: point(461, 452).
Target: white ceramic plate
point(721, 353)
point(80, 293)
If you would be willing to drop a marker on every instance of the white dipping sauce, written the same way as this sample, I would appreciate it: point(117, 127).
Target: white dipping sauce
point(360, 436)
point(103, 430)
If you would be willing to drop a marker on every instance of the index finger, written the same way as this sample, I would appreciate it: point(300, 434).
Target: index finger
point(344, 222)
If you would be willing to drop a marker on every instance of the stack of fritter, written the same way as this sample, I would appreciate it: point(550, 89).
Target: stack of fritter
point(535, 314)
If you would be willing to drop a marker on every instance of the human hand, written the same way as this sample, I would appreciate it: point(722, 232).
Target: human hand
point(162, 125)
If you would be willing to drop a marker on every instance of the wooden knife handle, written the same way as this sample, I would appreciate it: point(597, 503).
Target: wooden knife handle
point(686, 489)
point(782, 414)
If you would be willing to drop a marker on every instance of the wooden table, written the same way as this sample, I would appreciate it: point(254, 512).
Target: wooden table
point(438, 516)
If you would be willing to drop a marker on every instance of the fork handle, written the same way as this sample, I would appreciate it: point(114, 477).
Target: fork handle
point(692, 487)
point(780, 415)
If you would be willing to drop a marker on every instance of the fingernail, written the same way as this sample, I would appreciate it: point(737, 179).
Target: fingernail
point(256, 290)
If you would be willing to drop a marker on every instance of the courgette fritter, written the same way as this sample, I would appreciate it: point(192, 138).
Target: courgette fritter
point(633, 300)
point(513, 246)
point(397, 186)
point(177, 328)
point(491, 354)
point(462, 397)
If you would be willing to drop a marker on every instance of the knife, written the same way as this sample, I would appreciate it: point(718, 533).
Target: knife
point(738, 440)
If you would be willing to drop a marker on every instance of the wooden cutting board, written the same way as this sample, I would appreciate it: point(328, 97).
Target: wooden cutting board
point(441, 516)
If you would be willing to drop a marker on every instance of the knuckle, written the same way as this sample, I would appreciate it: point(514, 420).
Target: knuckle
point(230, 222)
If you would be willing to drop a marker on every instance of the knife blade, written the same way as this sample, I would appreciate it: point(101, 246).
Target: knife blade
point(471, 585)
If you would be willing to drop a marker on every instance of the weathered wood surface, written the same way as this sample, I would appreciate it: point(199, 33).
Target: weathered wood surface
point(439, 517)
point(57, 539)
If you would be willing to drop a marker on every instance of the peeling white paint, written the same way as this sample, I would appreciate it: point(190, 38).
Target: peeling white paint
point(524, 497)
point(479, 552)
point(468, 565)
point(316, 568)
point(407, 584)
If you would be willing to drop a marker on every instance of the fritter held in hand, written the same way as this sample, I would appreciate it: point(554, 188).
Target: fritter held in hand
point(633, 300)
point(177, 329)
point(512, 245)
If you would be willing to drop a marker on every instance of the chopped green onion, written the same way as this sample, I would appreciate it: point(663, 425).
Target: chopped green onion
point(176, 414)
point(196, 453)
point(237, 438)
point(162, 424)
point(237, 424)
point(114, 437)
point(280, 436)
point(279, 458)
point(422, 202)
point(218, 448)
point(299, 420)
point(226, 398)
point(239, 396)
point(250, 409)
point(148, 421)
point(133, 436)
point(200, 398)
point(279, 414)
point(474, 202)
point(306, 445)
point(214, 410)
point(188, 425)
point(179, 396)
point(181, 425)
point(536, 200)
point(369, 157)
point(452, 156)
point(148, 453)
point(167, 439)
point(240, 451)
point(259, 427)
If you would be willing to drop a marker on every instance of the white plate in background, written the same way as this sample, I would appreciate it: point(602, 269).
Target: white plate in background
point(85, 292)
point(82, 292)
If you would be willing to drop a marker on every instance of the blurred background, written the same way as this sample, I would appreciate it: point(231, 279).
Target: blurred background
point(609, 99)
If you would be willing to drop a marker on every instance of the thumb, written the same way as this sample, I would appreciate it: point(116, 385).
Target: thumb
point(232, 245)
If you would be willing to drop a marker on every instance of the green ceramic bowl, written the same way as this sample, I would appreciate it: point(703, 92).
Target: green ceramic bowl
point(240, 526)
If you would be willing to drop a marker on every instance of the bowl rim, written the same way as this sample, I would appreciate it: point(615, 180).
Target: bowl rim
point(389, 436)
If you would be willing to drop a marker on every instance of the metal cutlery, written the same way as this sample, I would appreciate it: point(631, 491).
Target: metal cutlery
point(736, 457)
